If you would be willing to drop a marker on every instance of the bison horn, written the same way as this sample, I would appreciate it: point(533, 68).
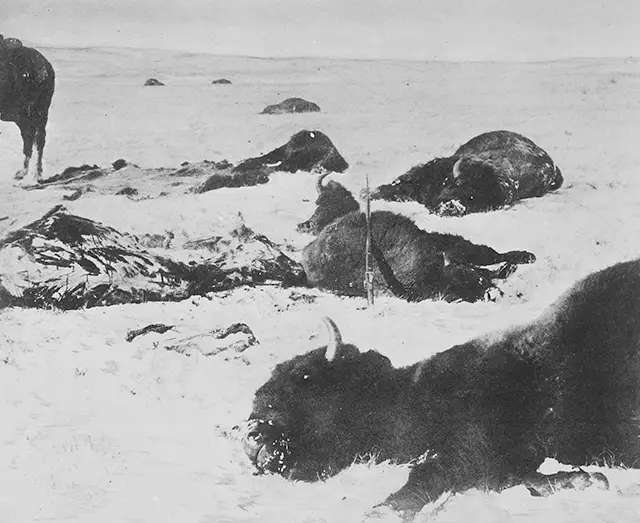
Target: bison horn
point(335, 339)
point(456, 169)
point(319, 182)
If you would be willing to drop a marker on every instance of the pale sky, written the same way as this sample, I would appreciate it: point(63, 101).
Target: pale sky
point(403, 29)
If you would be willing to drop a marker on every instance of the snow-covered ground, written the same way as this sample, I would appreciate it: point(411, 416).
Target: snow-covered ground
point(98, 429)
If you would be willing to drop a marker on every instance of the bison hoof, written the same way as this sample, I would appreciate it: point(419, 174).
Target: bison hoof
point(493, 294)
point(521, 257)
point(574, 480)
point(506, 270)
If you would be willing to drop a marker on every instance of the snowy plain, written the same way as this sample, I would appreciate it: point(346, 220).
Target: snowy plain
point(98, 429)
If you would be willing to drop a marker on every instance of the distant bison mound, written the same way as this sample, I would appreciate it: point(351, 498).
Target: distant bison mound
point(68, 262)
point(221, 81)
point(490, 171)
point(152, 82)
point(308, 151)
point(292, 105)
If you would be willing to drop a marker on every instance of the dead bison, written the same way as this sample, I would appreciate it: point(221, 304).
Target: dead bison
point(482, 414)
point(488, 172)
point(292, 105)
point(27, 82)
point(305, 151)
point(409, 263)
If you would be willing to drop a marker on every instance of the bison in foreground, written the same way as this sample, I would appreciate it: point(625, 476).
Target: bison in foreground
point(27, 83)
point(409, 263)
point(488, 172)
point(483, 414)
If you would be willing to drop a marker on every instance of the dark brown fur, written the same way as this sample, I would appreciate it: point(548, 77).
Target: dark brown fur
point(482, 414)
point(27, 83)
point(493, 170)
point(410, 263)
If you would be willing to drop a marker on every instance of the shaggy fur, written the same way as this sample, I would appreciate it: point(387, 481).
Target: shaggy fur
point(409, 262)
point(482, 414)
point(305, 151)
point(488, 172)
point(27, 83)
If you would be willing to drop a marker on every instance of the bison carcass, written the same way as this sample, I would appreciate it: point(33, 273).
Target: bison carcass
point(305, 151)
point(488, 172)
point(408, 262)
point(482, 414)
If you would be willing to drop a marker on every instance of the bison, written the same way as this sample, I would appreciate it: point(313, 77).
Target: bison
point(292, 105)
point(305, 151)
point(153, 82)
point(27, 83)
point(490, 171)
point(482, 414)
point(409, 262)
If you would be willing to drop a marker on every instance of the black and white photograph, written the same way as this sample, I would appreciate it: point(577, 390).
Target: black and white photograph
point(319, 261)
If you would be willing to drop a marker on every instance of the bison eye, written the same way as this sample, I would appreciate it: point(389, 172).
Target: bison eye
point(312, 135)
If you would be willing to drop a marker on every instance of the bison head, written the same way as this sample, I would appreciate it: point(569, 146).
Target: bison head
point(333, 201)
point(474, 187)
point(320, 410)
point(309, 150)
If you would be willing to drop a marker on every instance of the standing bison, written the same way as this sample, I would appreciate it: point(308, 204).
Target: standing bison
point(482, 414)
point(409, 263)
point(27, 82)
point(488, 172)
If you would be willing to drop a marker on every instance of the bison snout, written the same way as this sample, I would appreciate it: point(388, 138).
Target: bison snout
point(304, 227)
point(266, 446)
point(451, 208)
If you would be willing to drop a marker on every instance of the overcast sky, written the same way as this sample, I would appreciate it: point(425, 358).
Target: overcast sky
point(410, 29)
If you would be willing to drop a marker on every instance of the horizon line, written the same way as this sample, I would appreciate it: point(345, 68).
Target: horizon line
point(330, 57)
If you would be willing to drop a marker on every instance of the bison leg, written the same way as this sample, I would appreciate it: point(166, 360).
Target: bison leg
point(28, 132)
point(545, 485)
point(426, 484)
point(518, 257)
point(464, 251)
point(40, 140)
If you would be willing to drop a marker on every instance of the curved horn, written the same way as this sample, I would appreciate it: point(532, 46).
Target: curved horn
point(456, 168)
point(335, 339)
point(319, 182)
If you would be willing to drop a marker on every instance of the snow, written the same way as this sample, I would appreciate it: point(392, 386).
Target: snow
point(99, 429)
